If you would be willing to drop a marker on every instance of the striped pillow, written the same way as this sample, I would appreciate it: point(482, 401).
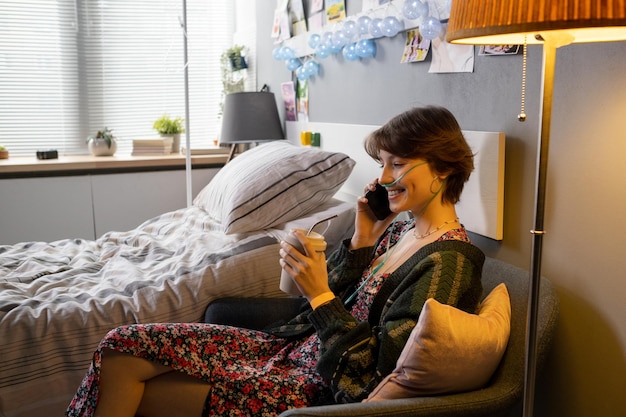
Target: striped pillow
point(272, 183)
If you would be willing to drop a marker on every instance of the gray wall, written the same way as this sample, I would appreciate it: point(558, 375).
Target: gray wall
point(583, 251)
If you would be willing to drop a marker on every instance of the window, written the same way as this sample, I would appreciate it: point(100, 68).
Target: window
point(68, 68)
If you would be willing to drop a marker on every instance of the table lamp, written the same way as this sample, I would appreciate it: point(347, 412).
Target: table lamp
point(250, 117)
point(553, 24)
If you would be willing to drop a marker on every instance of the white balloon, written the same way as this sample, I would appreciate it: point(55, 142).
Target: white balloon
point(339, 38)
point(391, 26)
point(375, 28)
point(431, 28)
point(351, 29)
point(414, 9)
point(363, 24)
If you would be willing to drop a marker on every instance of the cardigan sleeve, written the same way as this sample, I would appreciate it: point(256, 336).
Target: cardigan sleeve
point(346, 266)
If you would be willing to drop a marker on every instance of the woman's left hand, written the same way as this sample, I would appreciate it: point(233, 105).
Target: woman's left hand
point(307, 270)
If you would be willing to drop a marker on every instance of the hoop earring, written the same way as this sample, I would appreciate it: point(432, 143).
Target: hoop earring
point(436, 178)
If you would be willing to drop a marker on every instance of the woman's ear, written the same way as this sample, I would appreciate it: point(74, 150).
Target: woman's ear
point(443, 176)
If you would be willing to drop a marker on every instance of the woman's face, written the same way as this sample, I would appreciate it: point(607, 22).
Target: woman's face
point(408, 182)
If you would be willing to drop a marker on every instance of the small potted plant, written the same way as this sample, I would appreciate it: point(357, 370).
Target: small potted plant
point(232, 62)
point(170, 127)
point(103, 144)
point(4, 153)
point(236, 58)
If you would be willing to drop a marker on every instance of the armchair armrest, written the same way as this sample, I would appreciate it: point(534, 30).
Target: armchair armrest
point(252, 313)
point(468, 404)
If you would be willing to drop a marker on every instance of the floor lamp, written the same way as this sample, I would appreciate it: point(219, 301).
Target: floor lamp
point(553, 24)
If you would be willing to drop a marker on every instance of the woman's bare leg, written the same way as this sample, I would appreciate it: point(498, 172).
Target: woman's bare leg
point(126, 379)
point(173, 394)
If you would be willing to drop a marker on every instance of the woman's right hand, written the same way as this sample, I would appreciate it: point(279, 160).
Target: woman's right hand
point(367, 228)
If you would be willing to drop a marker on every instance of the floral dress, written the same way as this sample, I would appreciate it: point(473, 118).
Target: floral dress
point(251, 373)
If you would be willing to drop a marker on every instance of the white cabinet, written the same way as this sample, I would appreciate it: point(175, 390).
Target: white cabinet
point(45, 209)
point(86, 206)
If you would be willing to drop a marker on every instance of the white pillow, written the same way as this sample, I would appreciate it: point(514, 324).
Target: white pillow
point(271, 184)
point(450, 350)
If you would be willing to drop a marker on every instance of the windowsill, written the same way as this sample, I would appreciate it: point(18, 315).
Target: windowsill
point(26, 166)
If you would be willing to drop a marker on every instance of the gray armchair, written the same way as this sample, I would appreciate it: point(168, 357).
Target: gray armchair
point(501, 397)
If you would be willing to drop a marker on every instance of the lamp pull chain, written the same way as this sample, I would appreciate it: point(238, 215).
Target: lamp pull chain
point(522, 115)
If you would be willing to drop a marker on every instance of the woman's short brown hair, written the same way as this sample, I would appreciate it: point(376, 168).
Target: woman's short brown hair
point(431, 133)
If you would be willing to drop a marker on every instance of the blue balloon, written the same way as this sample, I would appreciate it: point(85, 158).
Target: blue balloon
point(322, 51)
point(391, 25)
point(287, 52)
point(365, 48)
point(375, 28)
point(311, 68)
point(277, 53)
point(301, 74)
point(349, 52)
point(431, 28)
point(293, 64)
point(314, 40)
point(335, 49)
point(363, 25)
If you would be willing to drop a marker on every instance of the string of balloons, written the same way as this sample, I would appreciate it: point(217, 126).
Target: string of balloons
point(355, 38)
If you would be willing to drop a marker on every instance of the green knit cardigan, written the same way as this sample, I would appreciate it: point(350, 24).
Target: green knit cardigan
point(356, 356)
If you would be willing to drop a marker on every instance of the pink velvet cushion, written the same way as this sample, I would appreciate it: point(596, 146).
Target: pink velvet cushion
point(450, 350)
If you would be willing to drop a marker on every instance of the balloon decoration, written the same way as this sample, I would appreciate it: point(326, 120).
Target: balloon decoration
point(365, 48)
point(391, 25)
point(349, 52)
point(350, 29)
point(307, 70)
point(314, 40)
point(414, 9)
point(363, 24)
point(376, 27)
point(355, 38)
point(431, 28)
point(293, 64)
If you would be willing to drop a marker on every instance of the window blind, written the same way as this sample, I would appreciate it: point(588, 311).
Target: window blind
point(68, 68)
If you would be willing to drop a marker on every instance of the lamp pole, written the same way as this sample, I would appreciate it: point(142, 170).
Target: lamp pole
point(551, 42)
point(186, 81)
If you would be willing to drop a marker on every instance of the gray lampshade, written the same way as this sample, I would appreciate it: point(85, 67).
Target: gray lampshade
point(250, 117)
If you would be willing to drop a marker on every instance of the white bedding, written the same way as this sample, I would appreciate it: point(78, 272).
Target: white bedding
point(57, 300)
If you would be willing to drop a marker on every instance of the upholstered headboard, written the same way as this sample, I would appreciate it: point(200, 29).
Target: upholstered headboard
point(482, 203)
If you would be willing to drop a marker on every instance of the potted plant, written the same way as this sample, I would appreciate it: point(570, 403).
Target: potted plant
point(236, 58)
point(4, 153)
point(232, 61)
point(170, 127)
point(103, 144)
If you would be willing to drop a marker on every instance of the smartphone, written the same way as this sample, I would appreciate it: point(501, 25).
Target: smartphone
point(379, 202)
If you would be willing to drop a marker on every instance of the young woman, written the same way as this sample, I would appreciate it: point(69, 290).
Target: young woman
point(363, 302)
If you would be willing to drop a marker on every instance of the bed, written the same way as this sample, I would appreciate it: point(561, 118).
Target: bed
point(58, 299)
